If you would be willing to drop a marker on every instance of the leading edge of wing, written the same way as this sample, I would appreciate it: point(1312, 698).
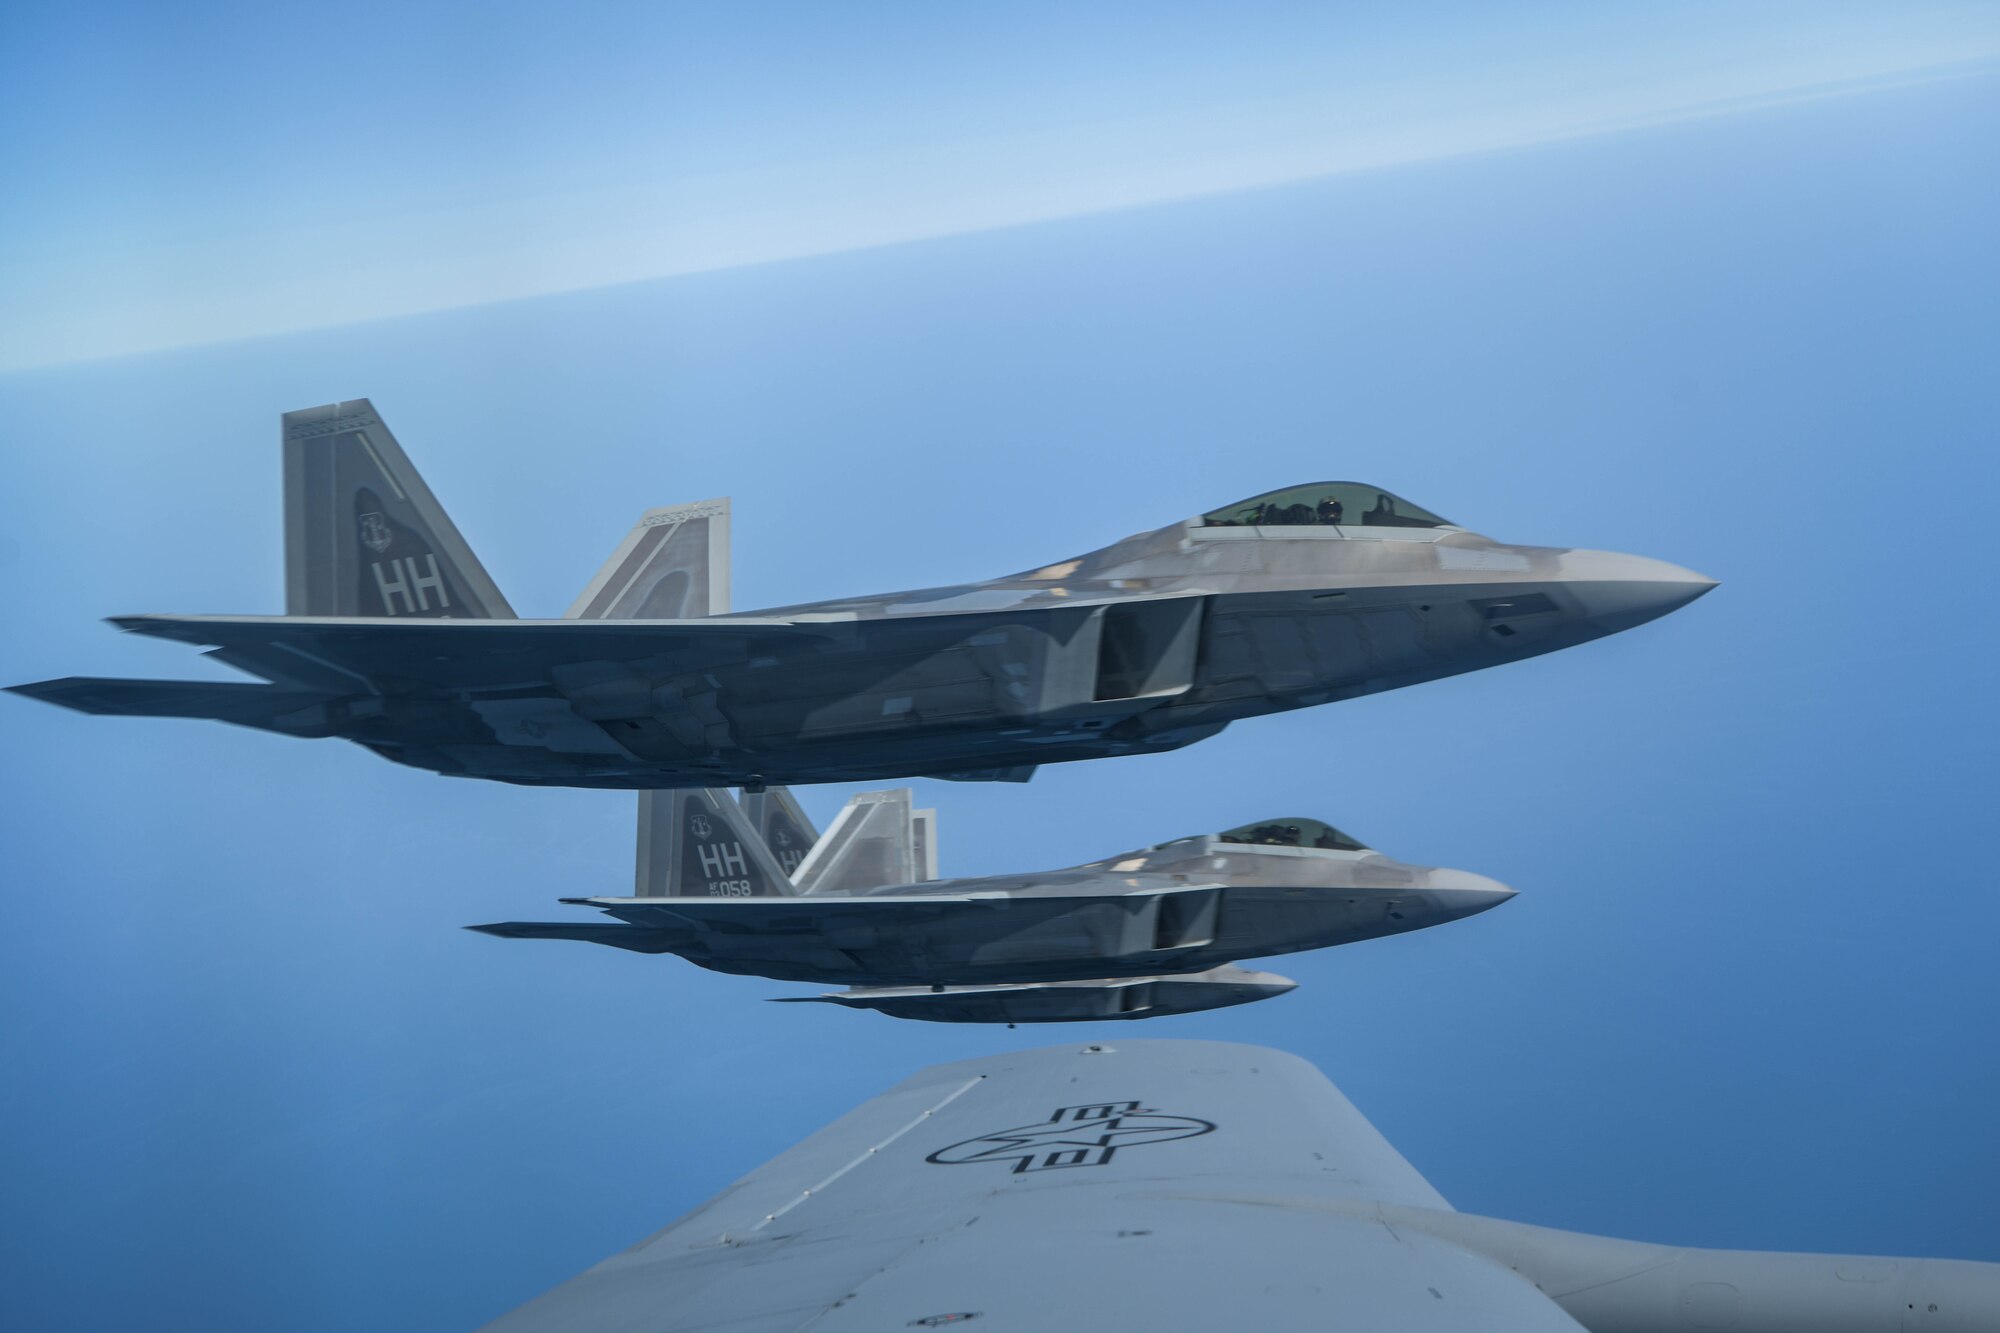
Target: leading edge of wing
point(781, 912)
point(469, 653)
point(223, 631)
point(808, 906)
point(840, 901)
point(803, 903)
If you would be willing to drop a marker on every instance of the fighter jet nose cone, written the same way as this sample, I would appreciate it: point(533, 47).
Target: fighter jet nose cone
point(1464, 893)
point(1619, 591)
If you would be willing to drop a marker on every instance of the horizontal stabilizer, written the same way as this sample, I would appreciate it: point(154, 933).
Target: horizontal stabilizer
point(590, 932)
point(225, 701)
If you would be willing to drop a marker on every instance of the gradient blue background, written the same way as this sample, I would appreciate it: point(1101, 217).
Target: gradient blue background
point(255, 1076)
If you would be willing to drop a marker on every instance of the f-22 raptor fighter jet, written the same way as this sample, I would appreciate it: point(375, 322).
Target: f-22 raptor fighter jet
point(1146, 933)
point(397, 639)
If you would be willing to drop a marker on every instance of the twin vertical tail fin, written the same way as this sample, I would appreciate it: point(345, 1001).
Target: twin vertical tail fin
point(699, 844)
point(364, 536)
point(673, 565)
point(783, 827)
point(876, 840)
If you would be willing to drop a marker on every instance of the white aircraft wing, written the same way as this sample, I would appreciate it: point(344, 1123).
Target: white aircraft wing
point(1149, 1185)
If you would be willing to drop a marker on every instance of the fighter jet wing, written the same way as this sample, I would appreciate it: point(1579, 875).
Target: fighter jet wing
point(670, 924)
point(802, 913)
point(760, 914)
point(1142, 1185)
point(231, 701)
point(591, 932)
point(464, 654)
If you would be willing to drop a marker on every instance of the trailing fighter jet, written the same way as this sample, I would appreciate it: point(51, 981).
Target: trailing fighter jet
point(1172, 1185)
point(1144, 932)
point(397, 639)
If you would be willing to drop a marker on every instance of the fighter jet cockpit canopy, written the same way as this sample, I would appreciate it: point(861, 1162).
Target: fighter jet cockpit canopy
point(1288, 832)
point(1328, 504)
point(1293, 833)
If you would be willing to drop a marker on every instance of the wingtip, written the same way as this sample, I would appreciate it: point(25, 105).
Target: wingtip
point(60, 691)
point(154, 627)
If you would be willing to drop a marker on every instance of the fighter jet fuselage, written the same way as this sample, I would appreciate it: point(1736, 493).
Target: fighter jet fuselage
point(1183, 907)
point(1149, 645)
point(400, 642)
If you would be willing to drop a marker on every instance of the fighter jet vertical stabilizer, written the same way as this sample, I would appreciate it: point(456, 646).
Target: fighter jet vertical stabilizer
point(785, 829)
point(364, 536)
point(871, 842)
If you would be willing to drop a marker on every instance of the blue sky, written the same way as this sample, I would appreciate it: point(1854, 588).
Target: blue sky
point(258, 1078)
point(209, 172)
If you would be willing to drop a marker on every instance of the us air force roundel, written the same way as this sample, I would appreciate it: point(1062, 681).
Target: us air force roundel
point(1073, 1136)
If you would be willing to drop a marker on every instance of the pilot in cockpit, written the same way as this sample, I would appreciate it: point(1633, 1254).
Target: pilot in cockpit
point(1324, 504)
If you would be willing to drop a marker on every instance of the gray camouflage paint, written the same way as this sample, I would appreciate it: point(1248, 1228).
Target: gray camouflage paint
point(1150, 644)
point(1183, 907)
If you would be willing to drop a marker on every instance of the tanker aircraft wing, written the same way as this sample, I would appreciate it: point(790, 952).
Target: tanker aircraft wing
point(1153, 1185)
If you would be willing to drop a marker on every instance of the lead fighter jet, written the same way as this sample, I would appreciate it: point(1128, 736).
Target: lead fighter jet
point(397, 639)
